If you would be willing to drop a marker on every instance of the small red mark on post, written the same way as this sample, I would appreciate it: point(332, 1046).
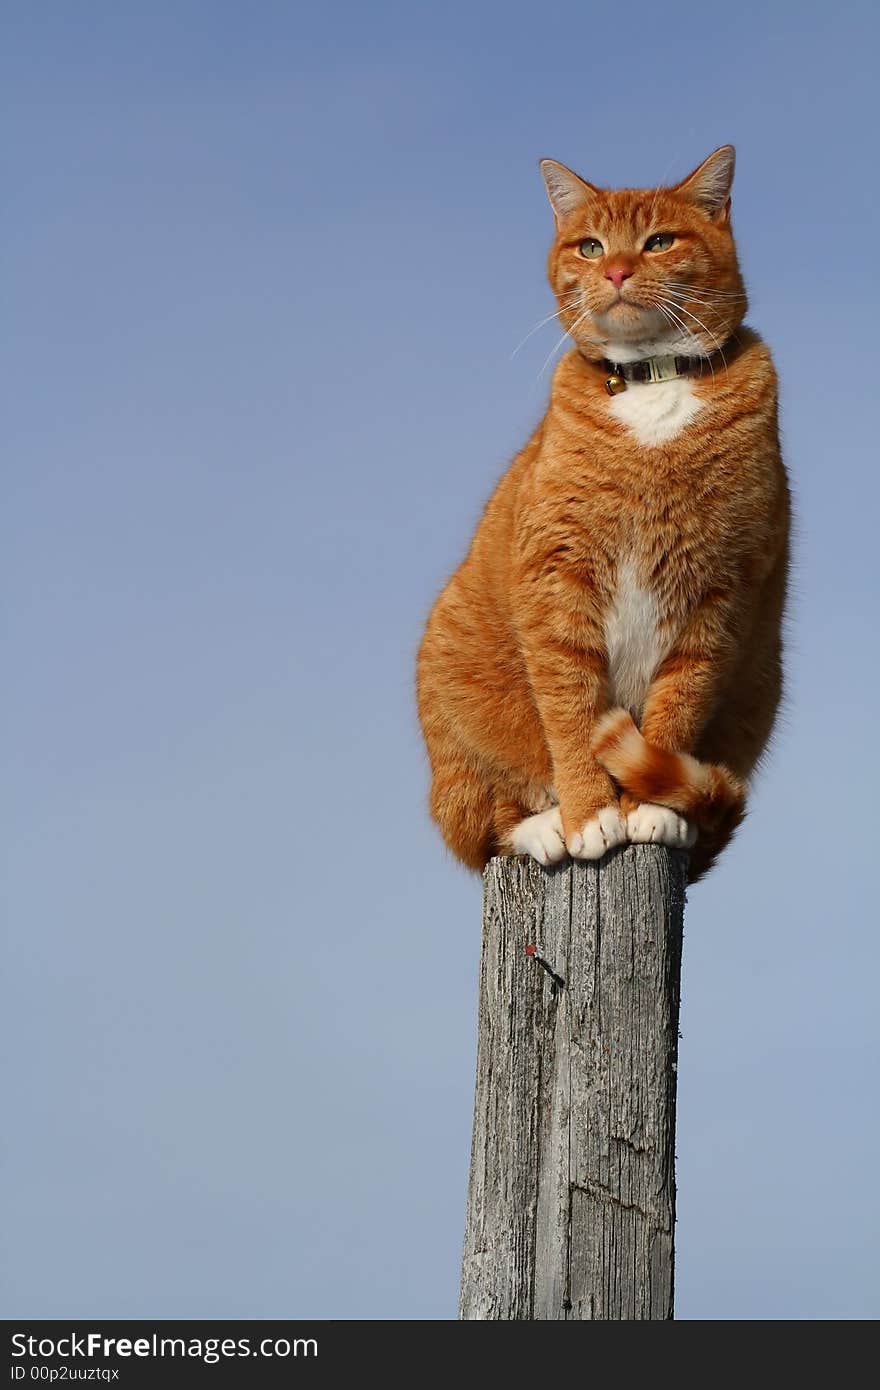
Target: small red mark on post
point(557, 980)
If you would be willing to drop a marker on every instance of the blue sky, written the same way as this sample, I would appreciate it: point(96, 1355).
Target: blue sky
point(265, 268)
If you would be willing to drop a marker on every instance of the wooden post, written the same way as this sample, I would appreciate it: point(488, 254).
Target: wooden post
point(571, 1204)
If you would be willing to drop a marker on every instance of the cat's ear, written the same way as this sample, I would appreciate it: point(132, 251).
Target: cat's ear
point(565, 190)
point(709, 185)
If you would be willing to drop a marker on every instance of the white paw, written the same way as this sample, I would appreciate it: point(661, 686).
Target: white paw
point(540, 836)
point(603, 832)
point(658, 825)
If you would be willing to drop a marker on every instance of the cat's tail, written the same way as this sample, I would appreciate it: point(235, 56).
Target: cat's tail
point(708, 794)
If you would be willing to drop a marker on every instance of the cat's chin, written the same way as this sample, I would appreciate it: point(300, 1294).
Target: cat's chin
point(619, 348)
point(628, 318)
point(628, 332)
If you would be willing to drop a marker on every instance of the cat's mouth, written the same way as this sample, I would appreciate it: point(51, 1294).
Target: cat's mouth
point(623, 307)
point(623, 301)
point(626, 319)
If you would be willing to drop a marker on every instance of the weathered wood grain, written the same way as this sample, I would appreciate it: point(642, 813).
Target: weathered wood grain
point(571, 1204)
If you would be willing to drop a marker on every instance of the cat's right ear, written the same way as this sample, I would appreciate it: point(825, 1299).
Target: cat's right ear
point(567, 192)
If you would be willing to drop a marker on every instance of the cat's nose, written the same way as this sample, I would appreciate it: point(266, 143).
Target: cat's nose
point(617, 273)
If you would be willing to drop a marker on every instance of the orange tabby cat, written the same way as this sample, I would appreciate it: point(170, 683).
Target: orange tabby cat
point(606, 663)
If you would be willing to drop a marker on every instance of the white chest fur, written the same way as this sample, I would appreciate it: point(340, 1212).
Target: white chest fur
point(656, 411)
point(633, 640)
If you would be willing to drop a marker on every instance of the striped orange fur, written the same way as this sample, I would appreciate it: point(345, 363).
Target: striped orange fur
point(710, 795)
point(606, 663)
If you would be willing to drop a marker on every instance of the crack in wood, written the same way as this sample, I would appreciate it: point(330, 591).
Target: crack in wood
point(602, 1194)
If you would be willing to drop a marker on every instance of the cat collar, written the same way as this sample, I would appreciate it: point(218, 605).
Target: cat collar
point(648, 369)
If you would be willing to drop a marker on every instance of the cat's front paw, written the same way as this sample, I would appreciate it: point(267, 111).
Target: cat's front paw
point(540, 836)
point(659, 825)
point(601, 833)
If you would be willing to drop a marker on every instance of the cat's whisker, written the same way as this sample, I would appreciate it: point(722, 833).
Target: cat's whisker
point(552, 353)
point(670, 313)
point(718, 346)
point(569, 333)
point(562, 308)
point(681, 297)
point(557, 345)
point(704, 289)
point(677, 324)
point(688, 292)
point(674, 311)
point(667, 307)
point(721, 314)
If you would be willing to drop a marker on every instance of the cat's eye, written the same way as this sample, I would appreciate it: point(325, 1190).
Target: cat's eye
point(591, 248)
point(660, 241)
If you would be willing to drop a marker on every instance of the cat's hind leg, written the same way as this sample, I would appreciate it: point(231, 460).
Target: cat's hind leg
point(463, 806)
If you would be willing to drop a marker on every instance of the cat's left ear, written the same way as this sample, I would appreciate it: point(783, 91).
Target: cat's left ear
point(709, 185)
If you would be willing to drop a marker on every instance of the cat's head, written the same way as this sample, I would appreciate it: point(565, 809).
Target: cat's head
point(644, 272)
